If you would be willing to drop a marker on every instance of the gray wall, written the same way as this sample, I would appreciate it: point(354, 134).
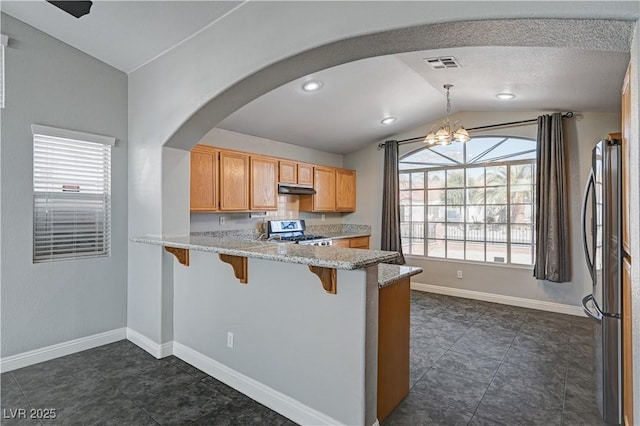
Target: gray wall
point(581, 133)
point(288, 333)
point(48, 82)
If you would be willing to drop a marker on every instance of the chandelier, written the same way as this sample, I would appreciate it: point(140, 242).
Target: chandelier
point(444, 134)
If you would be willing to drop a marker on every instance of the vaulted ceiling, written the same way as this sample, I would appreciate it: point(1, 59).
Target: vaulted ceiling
point(346, 113)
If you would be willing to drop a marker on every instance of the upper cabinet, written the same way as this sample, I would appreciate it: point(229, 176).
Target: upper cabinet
point(335, 191)
point(204, 179)
point(288, 172)
point(324, 200)
point(264, 185)
point(345, 190)
point(305, 174)
point(292, 172)
point(234, 181)
point(626, 129)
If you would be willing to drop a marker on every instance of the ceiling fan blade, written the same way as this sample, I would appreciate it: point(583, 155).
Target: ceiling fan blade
point(74, 8)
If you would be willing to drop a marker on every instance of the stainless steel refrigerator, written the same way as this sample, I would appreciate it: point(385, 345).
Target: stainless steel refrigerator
point(601, 224)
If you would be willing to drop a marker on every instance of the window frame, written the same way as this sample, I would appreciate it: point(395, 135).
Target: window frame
point(464, 166)
point(78, 221)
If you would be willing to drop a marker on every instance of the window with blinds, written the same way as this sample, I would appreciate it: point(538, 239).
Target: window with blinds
point(71, 194)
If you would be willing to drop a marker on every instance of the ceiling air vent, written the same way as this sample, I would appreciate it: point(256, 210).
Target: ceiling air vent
point(442, 62)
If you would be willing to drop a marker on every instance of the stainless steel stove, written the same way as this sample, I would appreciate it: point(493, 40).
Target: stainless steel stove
point(293, 231)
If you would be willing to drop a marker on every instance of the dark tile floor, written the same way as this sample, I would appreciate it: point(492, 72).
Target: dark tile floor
point(480, 363)
point(120, 384)
point(472, 362)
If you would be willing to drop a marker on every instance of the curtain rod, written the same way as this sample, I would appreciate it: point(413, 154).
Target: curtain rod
point(489, 126)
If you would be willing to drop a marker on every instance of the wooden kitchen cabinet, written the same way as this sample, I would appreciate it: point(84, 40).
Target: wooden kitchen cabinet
point(204, 179)
point(264, 185)
point(359, 242)
point(287, 172)
point(626, 129)
point(355, 242)
point(305, 174)
point(345, 190)
point(335, 191)
point(324, 200)
point(298, 173)
point(342, 242)
point(234, 181)
point(227, 180)
point(394, 305)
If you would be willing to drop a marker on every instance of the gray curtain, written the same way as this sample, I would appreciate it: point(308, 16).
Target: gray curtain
point(391, 202)
point(552, 212)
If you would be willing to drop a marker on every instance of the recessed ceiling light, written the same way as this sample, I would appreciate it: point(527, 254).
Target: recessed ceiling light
point(388, 120)
point(312, 86)
point(505, 96)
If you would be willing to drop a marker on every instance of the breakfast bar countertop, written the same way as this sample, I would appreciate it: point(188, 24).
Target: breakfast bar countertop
point(389, 274)
point(322, 256)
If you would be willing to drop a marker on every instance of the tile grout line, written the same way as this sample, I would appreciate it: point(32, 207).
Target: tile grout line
point(15, 379)
point(496, 372)
point(566, 377)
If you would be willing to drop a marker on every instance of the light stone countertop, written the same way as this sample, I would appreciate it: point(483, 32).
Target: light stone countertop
point(389, 274)
point(323, 256)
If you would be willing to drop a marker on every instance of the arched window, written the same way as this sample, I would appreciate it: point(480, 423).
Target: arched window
point(472, 201)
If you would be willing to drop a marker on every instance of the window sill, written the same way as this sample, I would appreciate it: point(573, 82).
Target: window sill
point(469, 262)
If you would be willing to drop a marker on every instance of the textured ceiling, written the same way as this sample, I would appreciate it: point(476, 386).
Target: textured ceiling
point(345, 114)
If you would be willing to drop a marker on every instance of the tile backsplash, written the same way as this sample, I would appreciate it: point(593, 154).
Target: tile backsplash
point(288, 208)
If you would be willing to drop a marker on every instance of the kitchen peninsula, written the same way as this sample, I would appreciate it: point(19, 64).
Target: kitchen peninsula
point(294, 327)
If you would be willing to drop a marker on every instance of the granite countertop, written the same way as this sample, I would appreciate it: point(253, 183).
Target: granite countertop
point(390, 274)
point(323, 256)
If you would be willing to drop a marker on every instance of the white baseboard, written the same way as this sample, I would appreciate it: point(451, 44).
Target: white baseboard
point(47, 353)
point(499, 298)
point(155, 349)
point(283, 404)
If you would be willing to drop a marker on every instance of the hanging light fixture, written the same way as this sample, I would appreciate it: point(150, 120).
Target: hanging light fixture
point(444, 134)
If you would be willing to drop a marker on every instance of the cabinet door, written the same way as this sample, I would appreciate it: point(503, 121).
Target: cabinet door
point(234, 181)
point(288, 172)
point(203, 186)
point(305, 174)
point(345, 190)
point(342, 242)
point(626, 129)
point(264, 193)
point(627, 345)
point(359, 242)
point(324, 182)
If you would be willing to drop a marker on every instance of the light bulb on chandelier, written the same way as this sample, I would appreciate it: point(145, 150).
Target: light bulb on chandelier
point(444, 134)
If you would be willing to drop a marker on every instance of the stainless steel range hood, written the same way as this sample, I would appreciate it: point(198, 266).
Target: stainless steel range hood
point(293, 189)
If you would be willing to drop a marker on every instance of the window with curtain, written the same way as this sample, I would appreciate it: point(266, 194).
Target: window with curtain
point(71, 194)
point(472, 201)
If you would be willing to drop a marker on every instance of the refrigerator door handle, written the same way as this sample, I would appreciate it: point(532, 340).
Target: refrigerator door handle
point(587, 189)
point(597, 315)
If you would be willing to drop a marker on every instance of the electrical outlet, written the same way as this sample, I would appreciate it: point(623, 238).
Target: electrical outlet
point(459, 275)
point(221, 220)
point(322, 218)
point(230, 339)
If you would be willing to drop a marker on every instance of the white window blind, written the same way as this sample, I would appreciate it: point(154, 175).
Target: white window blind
point(4, 41)
point(71, 194)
